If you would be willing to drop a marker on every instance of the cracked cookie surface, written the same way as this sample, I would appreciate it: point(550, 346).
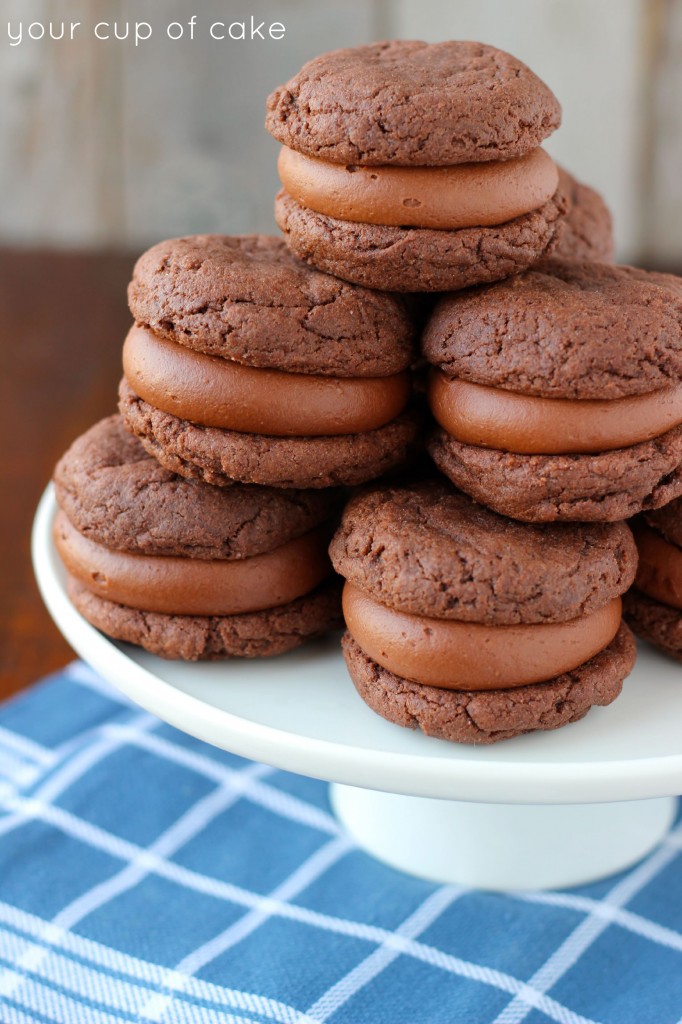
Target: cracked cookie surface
point(413, 103)
point(667, 521)
point(572, 329)
point(419, 259)
point(207, 638)
point(430, 550)
point(582, 488)
point(247, 298)
point(588, 227)
point(658, 623)
point(222, 457)
point(116, 494)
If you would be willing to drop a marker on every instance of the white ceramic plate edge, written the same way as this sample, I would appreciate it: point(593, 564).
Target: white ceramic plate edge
point(412, 775)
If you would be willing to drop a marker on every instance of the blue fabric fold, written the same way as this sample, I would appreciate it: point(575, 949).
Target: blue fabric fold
point(145, 876)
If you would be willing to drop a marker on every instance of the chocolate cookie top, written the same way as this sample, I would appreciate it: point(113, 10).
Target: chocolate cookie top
point(588, 227)
point(667, 521)
point(118, 495)
point(247, 298)
point(413, 103)
point(430, 550)
point(569, 329)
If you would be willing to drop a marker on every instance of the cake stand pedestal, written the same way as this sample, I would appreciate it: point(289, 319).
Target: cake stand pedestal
point(545, 810)
point(502, 846)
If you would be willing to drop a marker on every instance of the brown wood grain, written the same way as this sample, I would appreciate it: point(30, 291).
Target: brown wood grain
point(62, 322)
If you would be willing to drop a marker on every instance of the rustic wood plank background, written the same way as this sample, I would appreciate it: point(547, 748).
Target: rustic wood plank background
point(107, 144)
point(62, 321)
point(662, 153)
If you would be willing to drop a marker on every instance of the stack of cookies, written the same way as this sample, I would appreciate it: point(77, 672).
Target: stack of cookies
point(558, 393)
point(554, 383)
point(269, 388)
point(244, 364)
point(474, 627)
point(653, 607)
point(255, 389)
point(184, 569)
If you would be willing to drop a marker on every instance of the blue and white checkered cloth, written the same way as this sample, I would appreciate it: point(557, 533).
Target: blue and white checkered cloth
point(145, 876)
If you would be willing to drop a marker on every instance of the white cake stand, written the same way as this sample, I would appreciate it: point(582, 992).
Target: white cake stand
point(541, 811)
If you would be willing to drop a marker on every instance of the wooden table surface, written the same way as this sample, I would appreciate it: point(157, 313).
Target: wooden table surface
point(63, 318)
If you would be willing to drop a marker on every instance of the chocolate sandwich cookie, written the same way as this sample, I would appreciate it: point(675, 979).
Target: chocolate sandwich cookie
point(558, 394)
point(476, 628)
point(414, 167)
point(246, 365)
point(653, 606)
point(588, 227)
point(184, 569)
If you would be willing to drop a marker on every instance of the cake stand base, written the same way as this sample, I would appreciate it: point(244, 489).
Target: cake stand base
point(502, 846)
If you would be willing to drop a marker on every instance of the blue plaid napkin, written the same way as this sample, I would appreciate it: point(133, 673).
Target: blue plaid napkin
point(145, 876)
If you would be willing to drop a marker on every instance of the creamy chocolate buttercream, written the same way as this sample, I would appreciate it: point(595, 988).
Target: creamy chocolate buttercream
point(217, 392)
point(472, 656)
point(528, 425)
point(460, 196)
point(659, 573)
point(186, 586)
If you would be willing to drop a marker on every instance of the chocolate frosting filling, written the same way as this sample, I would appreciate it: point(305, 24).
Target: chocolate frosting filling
point(187, 586)
point(447, 198)
point(215, 392)
point(458, 655)
point(529, 425)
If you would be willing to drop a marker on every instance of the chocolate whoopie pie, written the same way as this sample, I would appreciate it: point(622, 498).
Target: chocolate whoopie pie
point(417, 167)
point(476, 628)
point(246, 365)
point(588, 227)
point(558, 394)
point(184, 569)
point(653, 606)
